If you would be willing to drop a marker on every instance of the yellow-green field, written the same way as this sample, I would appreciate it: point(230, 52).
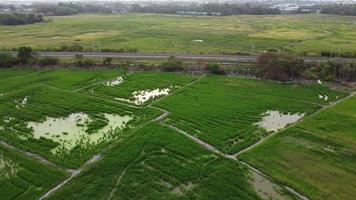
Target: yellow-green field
point(309, 34)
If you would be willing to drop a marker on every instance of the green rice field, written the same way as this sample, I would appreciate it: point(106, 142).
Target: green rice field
point(23, 178)
point(317, 156)
point(88, 125)
point(223, 110)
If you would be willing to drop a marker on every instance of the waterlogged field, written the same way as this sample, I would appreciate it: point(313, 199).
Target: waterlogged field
point(140, 87)
point(228, 112)
point(316, 157)
point(23, 178)
point(64, 126)
point(158, 163)
point(301, 34)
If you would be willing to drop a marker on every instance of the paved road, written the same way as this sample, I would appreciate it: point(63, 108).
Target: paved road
point(158, 56)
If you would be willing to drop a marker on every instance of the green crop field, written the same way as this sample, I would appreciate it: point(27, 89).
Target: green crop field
point(23, 178)
point(69, 79)
point(139, 81)
point(223, 110)
point(40, 101)
point(310, 34)
point(316, 157)
point(146, 150)
point(157, 163)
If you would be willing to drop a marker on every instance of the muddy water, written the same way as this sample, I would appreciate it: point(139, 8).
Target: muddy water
point(8, 168)
point(275, 120)
point(22, 103)
point(140, 97)
point(265, 188)
point(70, 131)
point(114, 82)
point(183, 188)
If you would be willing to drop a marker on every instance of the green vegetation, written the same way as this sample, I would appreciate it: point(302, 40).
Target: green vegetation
point(223, 110)
point(172, 64)
point(19, 18)
point(41, 99)
point(284, 67)
point(23, 178)
point(214, 68)
point(139, 81)
point(69, 115)
point(317, 156)
point(158, 163)
point(301, 34)
point(68, 79)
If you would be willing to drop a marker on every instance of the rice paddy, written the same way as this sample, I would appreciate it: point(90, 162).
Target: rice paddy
point(316, 157)
point(158, 163)
point(90, 123)
point(23, 178)
point(225, 111)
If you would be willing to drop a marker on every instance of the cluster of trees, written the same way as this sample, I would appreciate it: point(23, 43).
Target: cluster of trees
point(172, 64)
point(208, 9)
point(167, 8)
point(339, 9)
point(62, 9)
point(20, 18)
point(284, 67)
point(25, 56)
point(279, 66)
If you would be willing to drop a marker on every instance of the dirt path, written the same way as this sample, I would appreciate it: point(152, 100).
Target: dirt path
point(30, 154)
point(211, 148)
point(123, 174)
point(74, 173)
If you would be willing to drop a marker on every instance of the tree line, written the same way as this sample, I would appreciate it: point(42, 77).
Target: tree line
point(285, 67)
point(270, 65)
point(165, 8)
point(339, 9)
point(62, 9)
point(20, 18)
point(208, 9)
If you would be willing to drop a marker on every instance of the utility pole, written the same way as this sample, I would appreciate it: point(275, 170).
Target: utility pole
point(252, 48)
point(99, 45)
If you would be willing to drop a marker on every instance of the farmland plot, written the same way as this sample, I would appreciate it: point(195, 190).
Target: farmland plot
point(141, 87)
point(25, 179)
point(158, 163)
point(226, 111)
point(63, 126)
point(316, 157)
point(69, 79)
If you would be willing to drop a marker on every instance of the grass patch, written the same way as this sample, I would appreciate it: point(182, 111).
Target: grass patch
point(174, 33)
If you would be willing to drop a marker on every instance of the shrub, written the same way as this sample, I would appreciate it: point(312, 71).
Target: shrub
point(214, 68)
point(45, 61)
point(172, 64)
point(107, 61)
point(279, 66)
point(88, 62)
point(25, 54)
point(7, 60)
point(76, 47)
